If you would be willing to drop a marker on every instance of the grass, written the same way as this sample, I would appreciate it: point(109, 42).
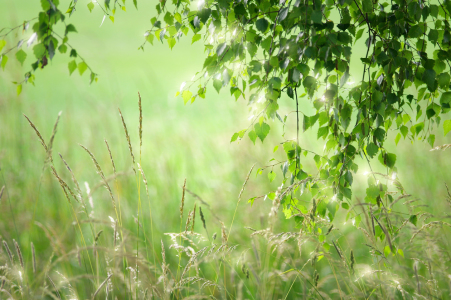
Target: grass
point(178, 142)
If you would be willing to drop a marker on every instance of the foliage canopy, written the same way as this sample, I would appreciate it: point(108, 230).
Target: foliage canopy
point(261, 50)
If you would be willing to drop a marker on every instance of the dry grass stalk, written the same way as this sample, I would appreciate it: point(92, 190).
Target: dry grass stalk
point(111, 156)
point(98, 236)
point(202, 218)
point(352, 261)
point(79, 256)
point(387, 235)
point(330, 229)
point(194, 218)
point(338, 250)
point(54, 287)
point(33, 255)
point(188, 220)
point(140, 123)
point(75, 181)
point(19, 253)
point(115, 235)
point(315, 278)
point(128, 140)
point(1, 192)
point(102, 183)
point(99, 170)
point(101, 286)
point(416, 276)
point(183, 200)
point(64, 185)
point(223, 233)
point(245, 182)
point(442, 147)
point(38, 134)
point(144, 179)
point(163, 267)
point(5, 244)
point(52, 138)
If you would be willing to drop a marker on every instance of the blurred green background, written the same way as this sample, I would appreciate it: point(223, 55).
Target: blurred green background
point(179, 141)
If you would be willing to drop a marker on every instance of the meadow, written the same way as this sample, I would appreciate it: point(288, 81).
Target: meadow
point(83, 251)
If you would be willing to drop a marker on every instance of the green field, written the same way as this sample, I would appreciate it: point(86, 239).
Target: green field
point(179, 142)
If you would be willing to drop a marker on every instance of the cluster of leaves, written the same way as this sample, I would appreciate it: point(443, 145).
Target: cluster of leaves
point(263, 49)
point(48, 42)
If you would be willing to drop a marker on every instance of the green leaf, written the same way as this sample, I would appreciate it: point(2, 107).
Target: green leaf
point(4, 59)
point(431, 140)
point(168, 18)
point(372, 149)
point(72, 66)
point(70, 28)
point(387, 250)
point(2, 44)
point(196, 37)
point(253, 136)
point(317, 16)
point(443, 80)
point(433, 36)
point(111, 18)
point(358, 35)
point(262, 24)
point(21, 56)
point(413, 219)
point(373, 191)
point(447, 126)
point(220, 49)
point(387, 159)
point(186, 95)
point(404, 130)
point(171, 42)
point(90, 6)
point(429, 79)
point(416, 31)
point(367, 6)
point(178, 17)
point(39, 50)
point(323, 132)
point(62, 48)
point(204, 14)
point(283, 14)
point(19, 89)
point(261, 130)
point(150, 38)
point(445, 98)
point(93, 77)
point(398, 137)
point(217, 84)
point(271, 176)
point(379, 134)
point(234, 137)
point(82, 67)
point(345, 205)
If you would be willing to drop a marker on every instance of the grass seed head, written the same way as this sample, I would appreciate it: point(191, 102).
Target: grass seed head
point(182, 204)
point(33, 255)
point(19, 253)
point(127, 136)
point(1, 192)
point(10, 255)
point(111, 157)
point(202, 217)
point(41, 139)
